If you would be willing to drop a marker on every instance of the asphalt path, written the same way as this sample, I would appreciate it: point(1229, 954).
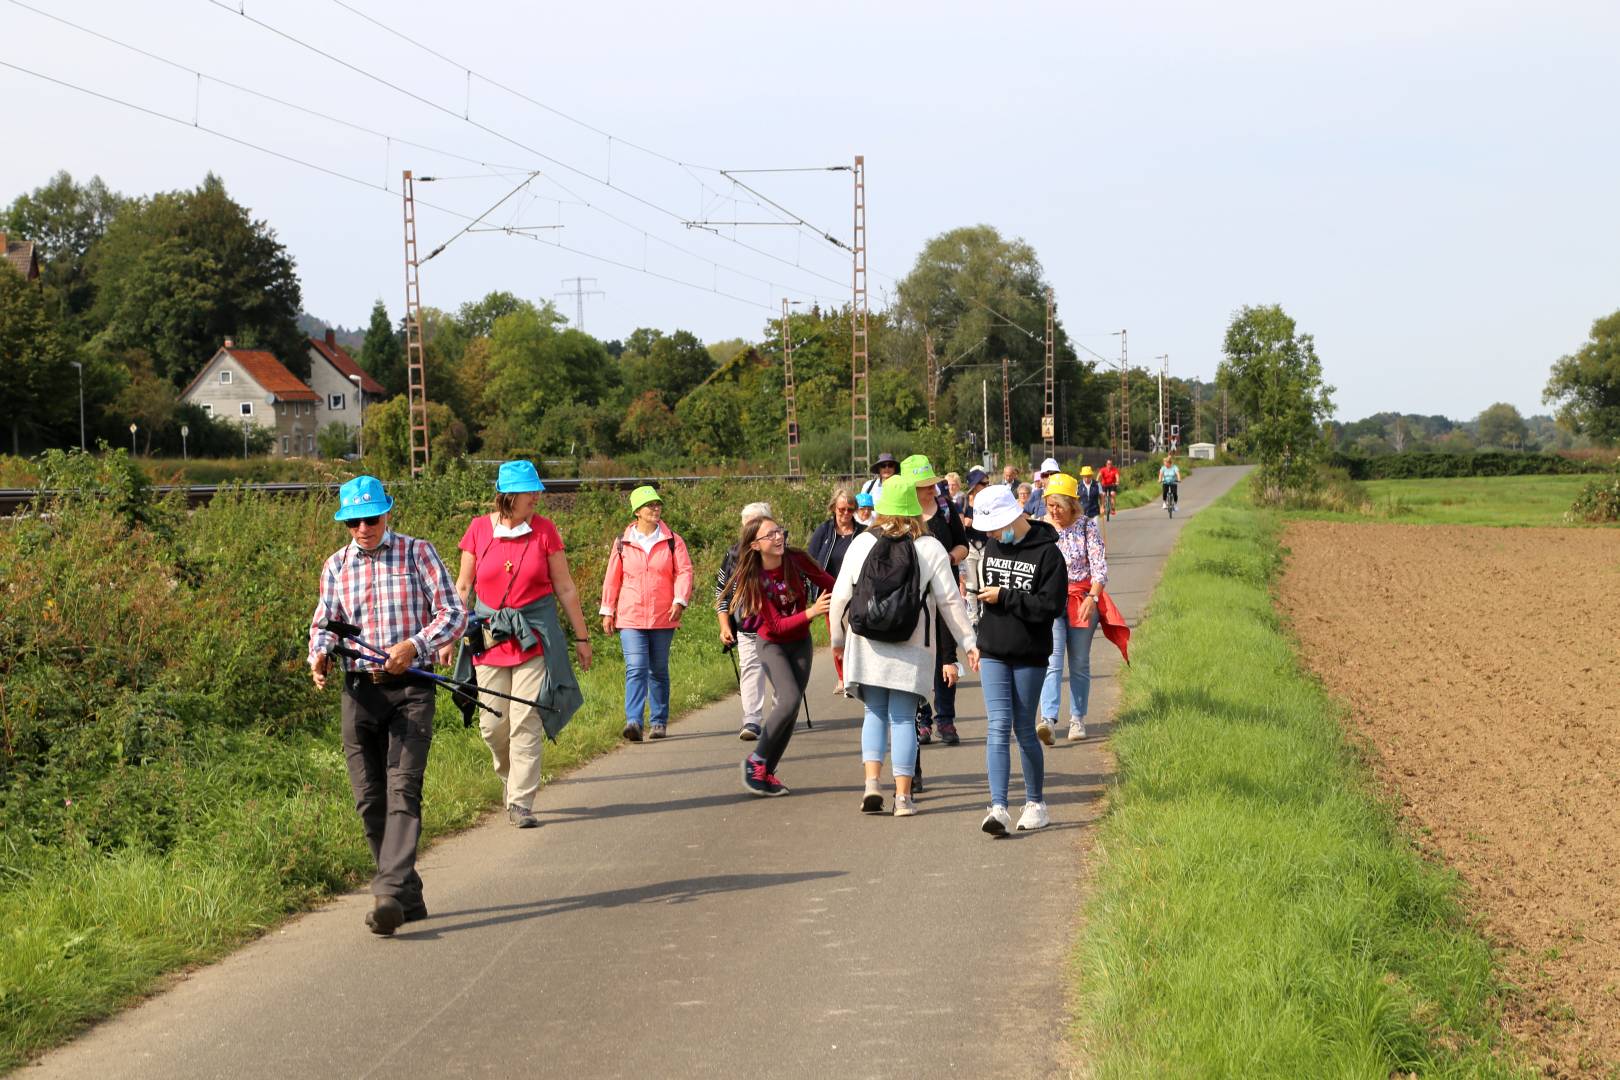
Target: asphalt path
point(663, 923)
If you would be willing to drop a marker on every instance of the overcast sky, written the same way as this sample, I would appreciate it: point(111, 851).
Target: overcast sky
point(1428, 186)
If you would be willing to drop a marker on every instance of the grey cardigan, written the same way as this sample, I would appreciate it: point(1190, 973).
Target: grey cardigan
point(899, 665)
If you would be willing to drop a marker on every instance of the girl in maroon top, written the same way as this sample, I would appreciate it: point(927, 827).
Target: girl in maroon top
point(769, 595)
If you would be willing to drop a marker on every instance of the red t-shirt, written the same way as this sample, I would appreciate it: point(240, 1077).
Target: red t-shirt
point(523, 562)
point(1108, 477)
point(783, 618)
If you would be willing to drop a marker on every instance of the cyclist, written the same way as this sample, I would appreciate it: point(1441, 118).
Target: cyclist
point(1169, 480)
point(1108, 477)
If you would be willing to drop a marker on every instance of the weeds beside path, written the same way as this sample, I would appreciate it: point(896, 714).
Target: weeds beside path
point(1257, 911)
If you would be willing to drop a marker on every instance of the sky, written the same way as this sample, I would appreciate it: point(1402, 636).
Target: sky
point(1426, 186)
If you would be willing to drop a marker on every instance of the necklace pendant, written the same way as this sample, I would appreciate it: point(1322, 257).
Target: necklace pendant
point(508, 566)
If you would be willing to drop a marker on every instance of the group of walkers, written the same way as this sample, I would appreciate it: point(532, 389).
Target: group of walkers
point(914, 573)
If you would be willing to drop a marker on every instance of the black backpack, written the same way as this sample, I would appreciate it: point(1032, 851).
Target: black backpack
point(888, 594)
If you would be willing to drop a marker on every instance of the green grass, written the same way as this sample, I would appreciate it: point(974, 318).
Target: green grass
point(88, 931)
point(1258, 911)
point(1501, 501)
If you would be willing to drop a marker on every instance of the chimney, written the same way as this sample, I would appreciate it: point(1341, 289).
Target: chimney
point(331, 338)
point(229, 344)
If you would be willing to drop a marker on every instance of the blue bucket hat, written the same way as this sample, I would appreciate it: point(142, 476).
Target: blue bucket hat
point(362, 497)
point(516, 477)
point(864, 499)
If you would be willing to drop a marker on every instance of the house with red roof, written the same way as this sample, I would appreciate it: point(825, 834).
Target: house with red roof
point(343, 388)
point(252, 387)
point(20, 256)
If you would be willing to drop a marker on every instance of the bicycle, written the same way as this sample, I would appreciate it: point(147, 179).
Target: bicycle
point(1108, 504)
point(1171, 497)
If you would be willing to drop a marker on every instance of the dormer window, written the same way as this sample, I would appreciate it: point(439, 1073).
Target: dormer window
point(224, 376)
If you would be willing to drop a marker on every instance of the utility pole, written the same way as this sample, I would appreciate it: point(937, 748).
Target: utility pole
point(579, 292)
point(415, 371)
point(1124, 403)
point(1198, 419)
point(984, 404)
point(1048, 419)
point(1225, 431)
point(933, 376)
point(1006, 416)
point(1164, 415)
point(787, 388)
point(860, 419)
point(1063, 411)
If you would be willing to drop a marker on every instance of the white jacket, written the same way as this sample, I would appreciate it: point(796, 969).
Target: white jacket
point(899, 665)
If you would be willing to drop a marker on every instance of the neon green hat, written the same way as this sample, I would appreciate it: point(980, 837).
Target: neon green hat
point(643, 495)
point(919, 471)
point(899, 500)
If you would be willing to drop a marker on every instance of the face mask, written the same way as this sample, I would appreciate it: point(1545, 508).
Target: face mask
point(1007, 535)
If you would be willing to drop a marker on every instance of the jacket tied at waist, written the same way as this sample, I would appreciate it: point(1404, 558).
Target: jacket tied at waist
point(560, 696)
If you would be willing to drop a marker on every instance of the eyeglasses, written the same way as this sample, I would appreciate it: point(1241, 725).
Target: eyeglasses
point(355, 523)
point(843, 509)
point(775, 536)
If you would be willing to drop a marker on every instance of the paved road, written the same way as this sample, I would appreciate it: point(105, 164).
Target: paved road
point(661, 923)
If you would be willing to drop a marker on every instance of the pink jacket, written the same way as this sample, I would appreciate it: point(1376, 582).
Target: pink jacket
point(639, 586)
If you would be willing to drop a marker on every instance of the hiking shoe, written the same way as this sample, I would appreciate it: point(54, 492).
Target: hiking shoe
point(522, 817)
point(1077, 729)
point(947, 733)
point(749, 733)
point(905, 806)
point(925, 734)
point(658, 731)
point(385, 917)
point(872, 801)
point(1034, 817)
point(1043, 730)
point(997, 821)
point(775, 786)
point(416, 914)
point(759, 782)
point(632, 732)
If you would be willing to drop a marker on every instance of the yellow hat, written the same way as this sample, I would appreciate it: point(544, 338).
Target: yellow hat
point(1085, 471)
point(1063, 484)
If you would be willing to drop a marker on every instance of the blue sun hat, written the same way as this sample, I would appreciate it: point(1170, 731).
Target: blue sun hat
point(864, 499)
point(362, 497)
point(516, 477)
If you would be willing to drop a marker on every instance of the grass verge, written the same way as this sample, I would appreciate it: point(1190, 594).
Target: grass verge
point(1498, 501)
point(1258, 911)
point(88, 931)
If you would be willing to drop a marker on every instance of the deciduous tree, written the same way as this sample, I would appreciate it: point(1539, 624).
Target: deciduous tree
point(35, 379)
point(1274, 378)
point(1585, 385)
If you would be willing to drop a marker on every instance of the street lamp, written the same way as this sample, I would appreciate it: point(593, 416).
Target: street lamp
point(360, 400)
point(80, 369)
point(131, 440)
point(184, 431)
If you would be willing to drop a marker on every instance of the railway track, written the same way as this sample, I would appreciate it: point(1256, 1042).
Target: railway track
point(15, 500)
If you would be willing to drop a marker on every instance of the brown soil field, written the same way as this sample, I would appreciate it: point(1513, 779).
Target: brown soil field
point(1480, 664)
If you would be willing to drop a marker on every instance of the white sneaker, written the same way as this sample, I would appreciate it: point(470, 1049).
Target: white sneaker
point(1077, 729)
point(904, 806)
point(1034, 817)
point(997, 821)
point(1043, 730)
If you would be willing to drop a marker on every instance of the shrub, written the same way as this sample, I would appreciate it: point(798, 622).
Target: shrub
point(1599, 501)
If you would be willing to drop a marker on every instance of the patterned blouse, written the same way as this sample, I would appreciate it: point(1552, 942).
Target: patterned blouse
point(1082, 547)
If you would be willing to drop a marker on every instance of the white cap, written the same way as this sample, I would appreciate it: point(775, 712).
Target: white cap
point(1050, 465)
point(995, 509)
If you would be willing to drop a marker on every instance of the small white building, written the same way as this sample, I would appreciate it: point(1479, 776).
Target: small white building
point(250, 386)
point(1204, 451)
point(344, 389)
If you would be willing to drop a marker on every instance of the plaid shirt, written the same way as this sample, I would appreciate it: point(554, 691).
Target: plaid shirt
point(401, 589)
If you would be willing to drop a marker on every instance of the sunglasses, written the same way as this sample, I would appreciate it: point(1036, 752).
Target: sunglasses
point(355, 523)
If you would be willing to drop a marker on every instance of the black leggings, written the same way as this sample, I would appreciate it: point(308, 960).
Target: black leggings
point(787, 666)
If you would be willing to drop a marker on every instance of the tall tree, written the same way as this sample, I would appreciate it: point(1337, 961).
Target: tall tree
point(1501, 425)
point(148, 399)
point(64, 220)
point(534, 366)
point(35, 378)
point(1274, 379)
point(383, 354)
point(179, 272)
point(1585, 385)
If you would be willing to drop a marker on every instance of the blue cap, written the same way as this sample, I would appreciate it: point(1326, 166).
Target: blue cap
point(362, 497)
point(864, 499)
point(518, 476)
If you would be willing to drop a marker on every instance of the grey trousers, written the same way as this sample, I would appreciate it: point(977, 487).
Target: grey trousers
point(387, 729)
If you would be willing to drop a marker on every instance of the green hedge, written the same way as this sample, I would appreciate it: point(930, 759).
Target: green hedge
point(1420, 465)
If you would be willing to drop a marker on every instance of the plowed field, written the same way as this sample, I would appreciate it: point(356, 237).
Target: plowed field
point(1482, 666)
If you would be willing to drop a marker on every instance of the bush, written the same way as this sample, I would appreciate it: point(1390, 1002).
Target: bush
point(1420, 465)
point(1599, 501)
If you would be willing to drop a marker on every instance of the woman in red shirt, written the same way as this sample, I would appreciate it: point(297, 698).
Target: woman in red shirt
point(512, 559)
point(769, 595)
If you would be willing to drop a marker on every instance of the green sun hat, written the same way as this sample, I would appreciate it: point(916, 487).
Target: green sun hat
point(919, 471)
point(898, 500)
point(643, 495)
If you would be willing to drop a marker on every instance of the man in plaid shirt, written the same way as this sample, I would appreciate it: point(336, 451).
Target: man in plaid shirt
point(397, 590)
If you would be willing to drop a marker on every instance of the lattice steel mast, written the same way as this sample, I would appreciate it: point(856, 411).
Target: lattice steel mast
point(788, 392)
point(860, 420)
point(1048, 417)
point(415, 371)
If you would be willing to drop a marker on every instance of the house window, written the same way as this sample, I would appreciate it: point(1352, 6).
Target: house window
point(281, 408)
point(309, 444)
point(247, 408)
point(224, 376)
point(284, 444)
point(208, 409)
point(335, 401)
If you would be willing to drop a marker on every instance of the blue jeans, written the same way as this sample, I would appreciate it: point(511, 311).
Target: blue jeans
point(646, 674)
point(1011, 696)
point(1076, 641)
point(891, 718)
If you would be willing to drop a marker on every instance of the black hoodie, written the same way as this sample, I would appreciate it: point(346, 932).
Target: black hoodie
point(1034, 587)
